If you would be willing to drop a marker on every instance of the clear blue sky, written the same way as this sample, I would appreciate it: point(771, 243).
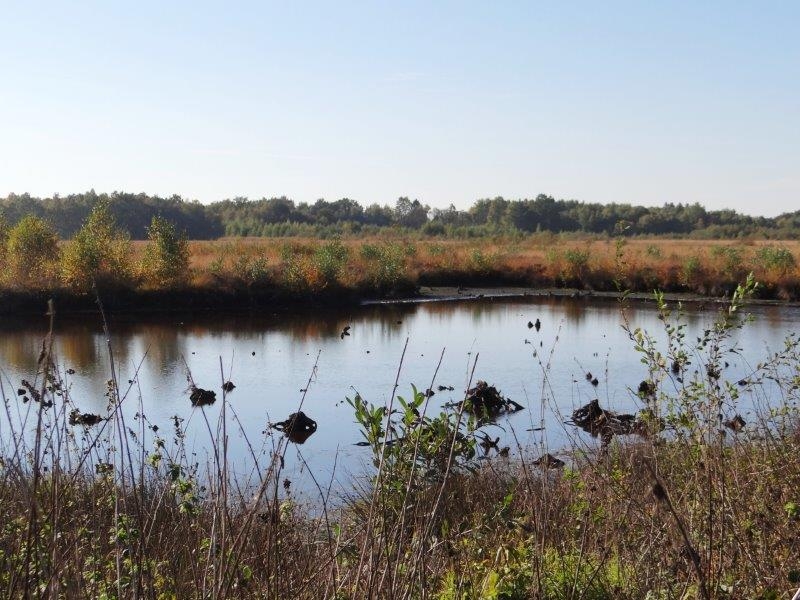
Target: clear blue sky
point(445, 102)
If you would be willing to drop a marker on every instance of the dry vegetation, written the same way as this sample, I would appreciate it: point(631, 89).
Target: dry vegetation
point(542, 260)
point(244, 272)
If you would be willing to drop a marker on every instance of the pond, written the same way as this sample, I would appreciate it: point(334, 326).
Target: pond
point(273, 358)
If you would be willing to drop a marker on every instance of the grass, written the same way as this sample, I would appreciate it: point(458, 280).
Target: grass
point(121, 510)
point(247, 272)
point(546, 260)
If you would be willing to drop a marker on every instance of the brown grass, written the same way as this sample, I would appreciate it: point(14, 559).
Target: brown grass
point(704, 267)
point(242, 271)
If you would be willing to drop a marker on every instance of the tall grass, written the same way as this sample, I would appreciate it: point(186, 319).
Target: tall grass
point(121, 509)
point(33, 262)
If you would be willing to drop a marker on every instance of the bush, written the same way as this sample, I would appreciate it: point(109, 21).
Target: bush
point(691, 270)
point(330, 259)
point(482, 262)
point(99, 251)
point(250, 270)
point(433, 228)
point(370, 252)
point(577, 261)
point(653, 251)
point(731, 259)
point(32, 252)
point(3, 239)
point(778, 259)
point(166, 259)
point(388, 263)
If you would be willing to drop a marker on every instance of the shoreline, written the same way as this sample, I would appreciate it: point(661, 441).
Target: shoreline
point(452, 294)
point(207, 300)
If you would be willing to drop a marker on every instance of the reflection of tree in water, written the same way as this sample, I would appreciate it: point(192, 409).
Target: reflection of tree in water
point(78, 349)
point(20, 350)
point(323, 323)
point(329, 324)
point(574, 309)
point(390, 317)
point(481, 311)
point(164, 345)
point(778, 315)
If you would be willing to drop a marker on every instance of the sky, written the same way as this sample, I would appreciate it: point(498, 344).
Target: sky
point(446, 102)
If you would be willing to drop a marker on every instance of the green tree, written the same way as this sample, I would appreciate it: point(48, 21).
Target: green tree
point(409, 213)
point(99, 252)
point(166, 259)
point(3, 239)
point(32, 252)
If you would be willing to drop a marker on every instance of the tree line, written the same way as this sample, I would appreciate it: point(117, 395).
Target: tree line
point(282, 217)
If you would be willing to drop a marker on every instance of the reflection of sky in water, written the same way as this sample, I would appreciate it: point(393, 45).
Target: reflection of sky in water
point(576, 336)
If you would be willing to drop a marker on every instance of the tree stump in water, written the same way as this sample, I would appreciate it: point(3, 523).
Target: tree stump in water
point(298, 427)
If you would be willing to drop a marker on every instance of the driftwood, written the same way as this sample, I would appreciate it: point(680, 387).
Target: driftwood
point(605, 423)
point(298, 427)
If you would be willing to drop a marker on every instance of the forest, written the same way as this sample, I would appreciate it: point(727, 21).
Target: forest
point(283, 217)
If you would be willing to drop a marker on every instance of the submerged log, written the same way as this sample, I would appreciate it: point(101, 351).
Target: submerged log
point(598, 421)
point(298, 427)
point(485, 400)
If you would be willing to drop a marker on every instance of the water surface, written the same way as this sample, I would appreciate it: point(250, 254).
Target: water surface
point(272, 357)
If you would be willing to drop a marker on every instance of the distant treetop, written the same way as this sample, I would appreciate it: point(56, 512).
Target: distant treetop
point(282, 216)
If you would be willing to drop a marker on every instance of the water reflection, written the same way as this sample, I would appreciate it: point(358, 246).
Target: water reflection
point(78, 349)
point(271, 357)
point(18, 351)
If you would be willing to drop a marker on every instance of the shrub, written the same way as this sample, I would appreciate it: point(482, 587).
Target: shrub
point(166, 259)
point(32, 251)
point(370, 252)
point(691, 270)
point(330, 259)
point(653, 251)
point(577, 261)
point(388, 263)
point(431, 445)
point(568, 575)
point(251, 270)
point(731, 259)
point(778, 259)
point(482, 262)
point(433, 228)
point(3, 239)
point(99, 251)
